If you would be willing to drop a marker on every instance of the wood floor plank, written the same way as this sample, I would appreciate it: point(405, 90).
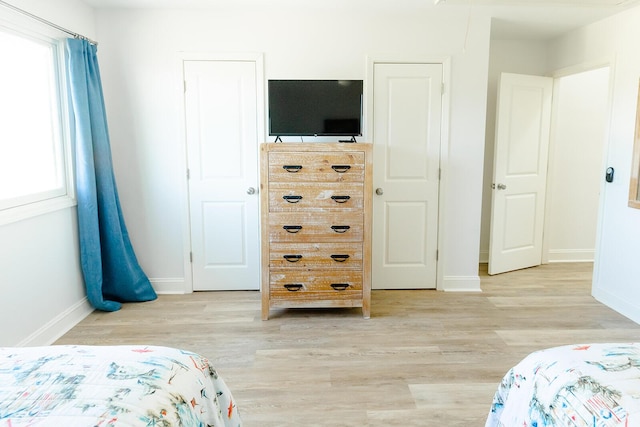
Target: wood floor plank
point(425, 358)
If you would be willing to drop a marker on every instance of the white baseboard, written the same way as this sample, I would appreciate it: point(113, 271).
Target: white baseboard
point(59, 325)
point(622, 306)
point(62, 323)
point(170, 286)
point(484, 257)
point(461, 284)
point(572, 255)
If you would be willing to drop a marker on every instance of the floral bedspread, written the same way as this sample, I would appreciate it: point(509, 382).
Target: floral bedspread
point(111, 386)
point(596, 385)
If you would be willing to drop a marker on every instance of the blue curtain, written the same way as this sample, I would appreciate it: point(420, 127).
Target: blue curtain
point(111, 271)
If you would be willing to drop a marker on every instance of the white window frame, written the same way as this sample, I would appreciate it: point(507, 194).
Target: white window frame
point(63, 197)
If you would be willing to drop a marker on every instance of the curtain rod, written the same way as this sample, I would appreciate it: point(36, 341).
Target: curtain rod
point(49, 23)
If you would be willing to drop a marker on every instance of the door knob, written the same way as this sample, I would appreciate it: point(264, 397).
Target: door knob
point(501, 187)
point(251, 190)
point(379, 191)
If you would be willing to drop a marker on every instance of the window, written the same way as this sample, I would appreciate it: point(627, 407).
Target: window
point(33, 171)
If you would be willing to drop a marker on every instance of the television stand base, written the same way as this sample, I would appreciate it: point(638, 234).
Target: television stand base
point(353, 139)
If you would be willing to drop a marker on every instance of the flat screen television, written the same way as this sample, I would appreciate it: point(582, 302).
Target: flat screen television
point(315, 107)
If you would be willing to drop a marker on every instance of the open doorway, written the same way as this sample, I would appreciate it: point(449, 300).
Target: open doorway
point(576, 151)
point(576, 165)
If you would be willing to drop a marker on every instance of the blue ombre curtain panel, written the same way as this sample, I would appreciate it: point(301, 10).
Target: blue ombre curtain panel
point(111, 271)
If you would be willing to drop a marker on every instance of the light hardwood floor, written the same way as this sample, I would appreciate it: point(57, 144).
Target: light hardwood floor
point(425, 358)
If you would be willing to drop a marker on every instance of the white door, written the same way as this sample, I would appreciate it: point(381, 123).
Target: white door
point(520, 172)
point(407, 110)
point(222, 144)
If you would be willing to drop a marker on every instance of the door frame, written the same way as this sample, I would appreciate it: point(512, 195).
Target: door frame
point(445, 61)
point(258, 59)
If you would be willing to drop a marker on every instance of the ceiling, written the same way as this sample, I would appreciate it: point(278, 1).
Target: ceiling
point(543, 19)
point(513, 19)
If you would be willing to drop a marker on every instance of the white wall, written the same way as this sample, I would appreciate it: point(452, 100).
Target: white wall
point(618, 242)
point(41, 288)
point(139, 62)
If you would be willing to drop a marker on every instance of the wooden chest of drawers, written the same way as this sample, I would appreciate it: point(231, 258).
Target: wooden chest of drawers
point(316, 225)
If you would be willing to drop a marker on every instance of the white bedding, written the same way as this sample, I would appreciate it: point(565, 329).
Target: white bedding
point(596, 385)
point(111, 386)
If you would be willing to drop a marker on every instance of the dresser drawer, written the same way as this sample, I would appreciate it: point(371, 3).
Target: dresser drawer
point(316, 227)
point(297, 197)
point(315, 285)
point(315, 255)
point(316, 167)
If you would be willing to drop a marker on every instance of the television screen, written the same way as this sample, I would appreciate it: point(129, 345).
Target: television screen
point(315, 107)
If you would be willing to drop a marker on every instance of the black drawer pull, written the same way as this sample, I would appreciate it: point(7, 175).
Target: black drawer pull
point(292, 258)
point(340, 286)
point(293, 287)
point(340, 199)
point(292, 168)
point(292, 199)
point(340, 257)
point(292, 228)
point(340, 228)
point(340, 168)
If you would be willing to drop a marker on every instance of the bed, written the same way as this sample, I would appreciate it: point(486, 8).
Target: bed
point(595, 385)
point(111, 386)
